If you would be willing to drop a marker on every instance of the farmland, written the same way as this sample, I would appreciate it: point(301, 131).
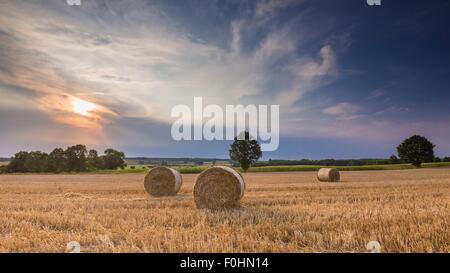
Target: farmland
point(293, 168)
point(404, 210)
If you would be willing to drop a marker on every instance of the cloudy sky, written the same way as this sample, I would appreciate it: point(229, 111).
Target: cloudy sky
point(351, 80)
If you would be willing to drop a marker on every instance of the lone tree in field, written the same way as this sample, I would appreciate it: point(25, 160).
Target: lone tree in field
point(246, 151)
point(416, 150)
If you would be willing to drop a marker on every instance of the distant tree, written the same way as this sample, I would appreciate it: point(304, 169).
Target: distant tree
point(437, 159)
point(446, 159)
point(77, 158)
point(245, 151)
point(36, 162)
point(352, 163)
point(57, 161)
point(113, 159)
point(416, 150)
point(394, 159)
point(17, 163)
point(93, 160)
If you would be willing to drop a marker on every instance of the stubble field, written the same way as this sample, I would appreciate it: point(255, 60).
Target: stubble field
point(405, 211)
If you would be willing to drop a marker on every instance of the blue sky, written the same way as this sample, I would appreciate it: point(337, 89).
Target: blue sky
point(352, 80)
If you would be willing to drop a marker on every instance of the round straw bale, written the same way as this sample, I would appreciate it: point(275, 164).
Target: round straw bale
point(219, 187)
point(328, 175)
point(163, 181)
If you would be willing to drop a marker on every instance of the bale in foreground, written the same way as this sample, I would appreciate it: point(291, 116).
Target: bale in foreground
point(328, 175)
point(219, 188)
point(163, 181)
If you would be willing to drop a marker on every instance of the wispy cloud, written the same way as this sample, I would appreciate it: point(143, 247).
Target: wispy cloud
point(377, 93)
point(341, 109)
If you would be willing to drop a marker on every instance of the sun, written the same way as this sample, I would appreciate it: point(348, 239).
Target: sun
point(82, 107)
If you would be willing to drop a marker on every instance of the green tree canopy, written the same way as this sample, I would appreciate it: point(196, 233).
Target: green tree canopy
point(246, 151)
point(416, 150)
point(17, 163)
point(113, 159)
point(76, 158)
point(57, 161)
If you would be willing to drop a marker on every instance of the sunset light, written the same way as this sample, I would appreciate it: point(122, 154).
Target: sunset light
point(82, 107)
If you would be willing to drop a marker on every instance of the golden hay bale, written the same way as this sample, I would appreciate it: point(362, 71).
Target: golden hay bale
point(219, 187)
point(328, 175)
point(163, 181)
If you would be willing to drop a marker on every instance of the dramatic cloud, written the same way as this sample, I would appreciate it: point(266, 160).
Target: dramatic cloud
point(144, 70)
point(116, 68)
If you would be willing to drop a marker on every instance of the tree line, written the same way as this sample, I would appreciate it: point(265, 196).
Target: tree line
point(414, 150)
point(342, 162)
point(73, 159)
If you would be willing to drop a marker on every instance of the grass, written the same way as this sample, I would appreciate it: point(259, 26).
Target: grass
point(305, 168)
point(130, 169)
point(405, 210)
point(296, 168)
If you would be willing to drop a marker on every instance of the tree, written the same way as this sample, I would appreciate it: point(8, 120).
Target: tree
point(245, 151)
point(76, 158)
point(17, 163)
point(394, 159)
point(416, 150)
point(113, 159)
point(36, 162)
point(93, 160)
point(57, 161)
point(446, 159)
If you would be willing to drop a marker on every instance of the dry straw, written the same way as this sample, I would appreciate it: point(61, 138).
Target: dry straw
point(163, 181)
point(219, 187)
point(328, 175)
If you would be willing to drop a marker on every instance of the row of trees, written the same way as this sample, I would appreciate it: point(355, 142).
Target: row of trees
point(74, 159)
point(415, 150)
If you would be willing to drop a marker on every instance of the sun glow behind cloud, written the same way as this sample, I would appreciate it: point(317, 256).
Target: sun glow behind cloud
point(82, 107)
point(76, 112)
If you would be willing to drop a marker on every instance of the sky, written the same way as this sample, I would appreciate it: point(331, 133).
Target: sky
point(351, 80)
